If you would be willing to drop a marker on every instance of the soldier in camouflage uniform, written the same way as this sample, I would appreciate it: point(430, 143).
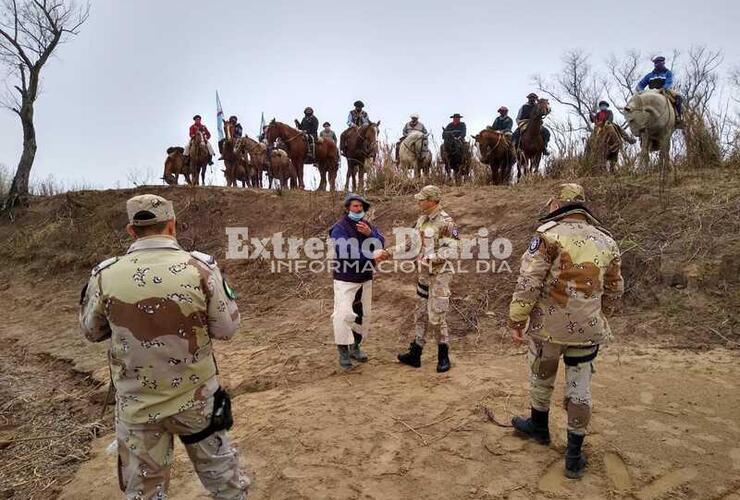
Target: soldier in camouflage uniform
point(569, 275)
point(162, 307)
point(439, 245)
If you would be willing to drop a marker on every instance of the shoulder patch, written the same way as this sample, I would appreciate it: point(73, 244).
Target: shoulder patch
point(206, 259)
point(534, 244)
point(547, 226)
point(103, 265)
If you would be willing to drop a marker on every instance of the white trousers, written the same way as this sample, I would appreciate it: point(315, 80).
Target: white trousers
point(208, 145)
point(352, 309)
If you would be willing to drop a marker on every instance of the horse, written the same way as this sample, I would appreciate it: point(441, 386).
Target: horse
point(603, 146)
point(256, 157)
point(327, 154)
point(414, 154)
point(651, 117)
point(531, 144)
point(199, 158)
point(360, 147)
point(455, 156)
point(233, 162)
point(496, 151)
point(174, 165)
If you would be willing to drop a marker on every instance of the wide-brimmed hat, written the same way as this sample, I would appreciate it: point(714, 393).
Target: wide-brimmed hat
point(456, 115)
point(354, 196)
point(604, 103)
point(414, 116)
point(359, 104)
point(309, 109)
point(326, 124)
point(658, 59)
point(197, 117)
point(503, 109)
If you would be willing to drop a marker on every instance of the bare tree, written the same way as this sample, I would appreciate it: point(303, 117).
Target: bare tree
point(625, 74)
point(30, 31)
point(700, 78)
point(577, 86)
point(735, 81)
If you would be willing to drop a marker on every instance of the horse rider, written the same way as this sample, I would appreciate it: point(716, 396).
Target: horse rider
point(662, 78)
point(503, 122)
point(309, 126)
point(328, 133)
point(523, 117)
point(456, 128)
point(605, 115)
point(196, 127)
point(357, 117)
point(237, 127)
point(410, 126)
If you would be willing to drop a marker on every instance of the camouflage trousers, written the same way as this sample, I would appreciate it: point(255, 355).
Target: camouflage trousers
point(544, 358)
point(145, 454)
point(431, 311)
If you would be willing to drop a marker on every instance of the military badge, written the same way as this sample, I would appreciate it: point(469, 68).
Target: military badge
point(534, 244)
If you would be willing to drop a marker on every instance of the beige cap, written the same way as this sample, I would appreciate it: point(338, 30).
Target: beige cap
point(571, 193)
point(149, 209)
point(429, 192)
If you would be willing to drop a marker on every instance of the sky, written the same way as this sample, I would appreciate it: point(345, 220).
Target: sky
point(116, 96)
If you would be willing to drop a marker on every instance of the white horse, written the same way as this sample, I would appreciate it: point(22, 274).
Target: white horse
point(651, 117)
point(415, 153)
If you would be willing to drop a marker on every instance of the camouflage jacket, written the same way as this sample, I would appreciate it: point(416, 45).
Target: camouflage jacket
point(161, 307)
point(438, 240)
point(569, 267)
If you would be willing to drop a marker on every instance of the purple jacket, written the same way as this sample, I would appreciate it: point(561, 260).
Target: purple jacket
point(353, 256)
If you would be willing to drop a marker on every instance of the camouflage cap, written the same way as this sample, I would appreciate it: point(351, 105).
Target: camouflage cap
point(571, 193)
point(429, 192)
point(149, 209)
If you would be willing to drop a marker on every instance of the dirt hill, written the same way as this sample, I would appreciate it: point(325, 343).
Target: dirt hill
point(666, 407)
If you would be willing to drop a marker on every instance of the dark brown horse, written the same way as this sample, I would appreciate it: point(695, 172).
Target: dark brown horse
point(497, 152)
point(235, 163)
point(531, 144)
point(296, 142)
point(360, 147)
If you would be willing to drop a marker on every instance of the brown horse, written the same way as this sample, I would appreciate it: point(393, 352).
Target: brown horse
point(360, 147)
point(199, 158)
point(531, 144)
point(603, 147)
point(235, 163)
point(296, 142)
point(174, 165)
point(497, 152)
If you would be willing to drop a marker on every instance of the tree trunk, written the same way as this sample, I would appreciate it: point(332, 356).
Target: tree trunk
point(18, 193)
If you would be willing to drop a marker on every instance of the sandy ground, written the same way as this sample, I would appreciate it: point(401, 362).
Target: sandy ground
point(665, 422)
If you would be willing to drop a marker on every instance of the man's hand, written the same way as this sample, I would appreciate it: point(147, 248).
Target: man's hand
point(297, 123)
point(517, 335)
point(381, 255)
point(363, 228)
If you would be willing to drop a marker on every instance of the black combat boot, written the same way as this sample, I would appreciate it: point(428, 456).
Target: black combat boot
point(575, 459)
point(413, 357)
point(536, 426)
point(344, 360)
point(443, 358)
point(355, 352)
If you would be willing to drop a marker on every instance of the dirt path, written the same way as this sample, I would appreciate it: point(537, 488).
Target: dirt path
point(665, 426)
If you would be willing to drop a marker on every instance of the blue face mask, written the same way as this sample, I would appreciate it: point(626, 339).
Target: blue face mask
point(357, 217)
point(603, 108)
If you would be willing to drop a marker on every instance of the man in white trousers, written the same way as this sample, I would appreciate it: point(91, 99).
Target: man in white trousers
point(354, 241)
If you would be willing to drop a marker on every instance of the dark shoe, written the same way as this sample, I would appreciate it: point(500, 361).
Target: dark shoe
point(355, 352)
point(210, 162)
point(535, 427)
point(575, 459)
point(631, 140)
point(413, 357)
point(344, 359)
point(546, 152)
point(443, 358)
